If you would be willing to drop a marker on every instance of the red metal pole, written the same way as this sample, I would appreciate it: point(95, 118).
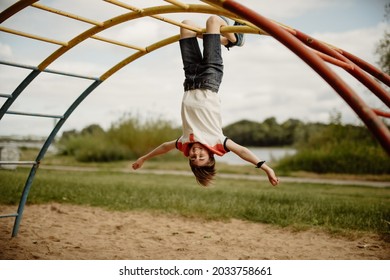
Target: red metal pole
point(358, 73)
point(368, 116)
point(375, 72)
point(335, 61)
point(381, 113)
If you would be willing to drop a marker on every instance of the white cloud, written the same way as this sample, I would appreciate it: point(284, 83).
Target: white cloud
point(262, 79)
point(5, 51)
point(281, 9)
point(276, 83)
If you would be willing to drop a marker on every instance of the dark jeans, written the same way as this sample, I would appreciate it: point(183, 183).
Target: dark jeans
point(202, 72)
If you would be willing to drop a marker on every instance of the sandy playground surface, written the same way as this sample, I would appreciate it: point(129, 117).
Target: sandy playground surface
point(67, 232)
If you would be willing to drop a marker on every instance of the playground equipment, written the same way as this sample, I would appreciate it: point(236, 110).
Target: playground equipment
point(315, 53)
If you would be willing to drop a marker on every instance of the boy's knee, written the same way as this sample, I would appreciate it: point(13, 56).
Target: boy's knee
point(187, 22)
point(184, 32)
point(214, 21)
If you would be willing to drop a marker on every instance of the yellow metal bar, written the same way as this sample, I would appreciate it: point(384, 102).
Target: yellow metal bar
point(204, 9)
point(66, 14)
point(31, 36)
point(118, 43)
point(18, 6)
point(177, 3)
point(163, 43)
point(139, 54)
point(242, 29)
point(121, 64)
point(218, 3)
point(215, 4)
point(124, 5)
point(173, 22)
point(137, 10)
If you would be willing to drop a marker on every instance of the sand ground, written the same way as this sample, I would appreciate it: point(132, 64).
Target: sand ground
point(69, 232)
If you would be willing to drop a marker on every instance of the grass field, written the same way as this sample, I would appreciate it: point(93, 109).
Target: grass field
point(337, 209)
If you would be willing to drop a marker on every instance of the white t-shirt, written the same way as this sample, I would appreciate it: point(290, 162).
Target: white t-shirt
point(201, 122)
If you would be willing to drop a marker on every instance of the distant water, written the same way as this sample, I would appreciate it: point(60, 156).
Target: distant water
point(263, 153)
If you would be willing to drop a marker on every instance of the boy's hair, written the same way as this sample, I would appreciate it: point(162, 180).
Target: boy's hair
point(204, 174)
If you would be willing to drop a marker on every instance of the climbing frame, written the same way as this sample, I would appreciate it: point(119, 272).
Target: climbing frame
point(315, 53)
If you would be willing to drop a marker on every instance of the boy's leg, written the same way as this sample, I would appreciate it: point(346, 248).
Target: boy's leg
point(187, 33)
point(233, 39)
point(212, 64)
point(204, 72)
point(190, 54)
point(213, 26)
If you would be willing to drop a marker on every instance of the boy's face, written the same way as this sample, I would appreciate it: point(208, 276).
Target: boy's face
point(199, 154)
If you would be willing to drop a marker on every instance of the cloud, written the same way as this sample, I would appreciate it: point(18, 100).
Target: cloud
point(280, 9)
point(5, 51)
point(262, 79)
point(274, 82)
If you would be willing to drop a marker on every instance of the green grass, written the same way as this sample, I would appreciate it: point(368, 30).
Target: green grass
point(179, 162)
point(339, 209)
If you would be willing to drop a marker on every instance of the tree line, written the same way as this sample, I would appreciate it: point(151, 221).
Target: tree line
point(270, 133)
point(321, 148)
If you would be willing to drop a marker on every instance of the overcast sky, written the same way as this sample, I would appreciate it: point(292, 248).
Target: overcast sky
point(262, 79)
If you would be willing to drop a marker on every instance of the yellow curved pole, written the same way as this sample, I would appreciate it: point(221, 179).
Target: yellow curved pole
point(152, 11)
point(139, 54)
point(114, 42)
point(177, 3)
point(167, 41)
point(32, 36)
point(18, 6)
point(66, 14)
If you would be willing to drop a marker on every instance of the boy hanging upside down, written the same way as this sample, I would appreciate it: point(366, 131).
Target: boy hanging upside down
point(200, 112)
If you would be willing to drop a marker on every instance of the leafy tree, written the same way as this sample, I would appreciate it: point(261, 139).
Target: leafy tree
point(268, 133)
point(383, 48)
point(292, 129)
point(92, 129)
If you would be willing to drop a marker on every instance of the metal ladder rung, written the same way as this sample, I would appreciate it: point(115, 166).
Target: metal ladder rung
point(9, 215)
point(5, 95)
point(34, 115)
point(49, 71)
point(15, 162)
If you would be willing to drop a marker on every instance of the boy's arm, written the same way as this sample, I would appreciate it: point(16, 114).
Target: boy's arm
point(250, 157)
point(160, 150)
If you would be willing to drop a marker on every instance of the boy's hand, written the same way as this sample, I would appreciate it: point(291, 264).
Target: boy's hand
point(271, 175)
point(138, 164)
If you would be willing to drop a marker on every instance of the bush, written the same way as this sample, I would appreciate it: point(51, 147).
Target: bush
point(339, 149)
point(100, 150)
point(127, 139)
point(93, 148)
point(141, 137)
